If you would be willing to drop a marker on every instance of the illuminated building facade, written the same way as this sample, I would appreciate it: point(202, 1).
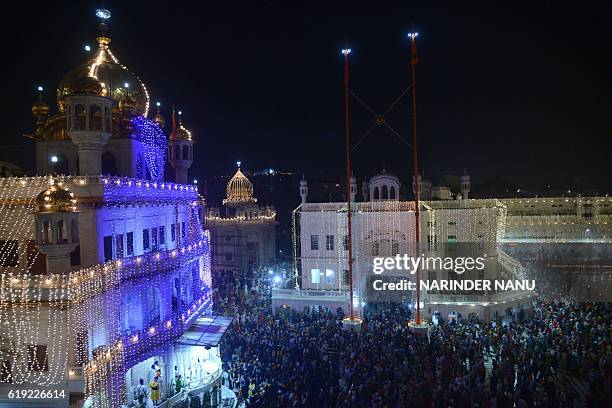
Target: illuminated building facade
point(243, 237)
point(104, 265)
point(384, 226)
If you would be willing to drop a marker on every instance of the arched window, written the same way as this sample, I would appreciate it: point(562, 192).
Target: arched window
point(185, 152)
point(385, 192)
point(392, 193)
point(376, 193)
point(109, 164)
point(45, 233)
point(61, 233)
point(95, 117)
point(138, 167)
point(80, 117)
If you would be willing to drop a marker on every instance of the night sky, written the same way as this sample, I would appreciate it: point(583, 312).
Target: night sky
point(524, 94)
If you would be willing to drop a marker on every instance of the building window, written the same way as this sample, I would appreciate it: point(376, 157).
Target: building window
point(119, 246)
point(329, 242)
point(452, 238)
point(183, 232)
point(108, 248)
point(315, 276)
point(452, 223)
point(172, 233)
point(376, 248)
point(145, 240)
point(228, 237)
point(130, 243)
point(37, 358)
point(330, 277)
point(162, 235)
point(345, 243)
point(345, 277)
point(228, 256)
point(10, 255)
point(394, 248)
point(314, 242)
point(154, 237)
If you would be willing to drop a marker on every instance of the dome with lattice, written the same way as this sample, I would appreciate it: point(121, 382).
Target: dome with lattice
point(239, 189)
point(56, 199)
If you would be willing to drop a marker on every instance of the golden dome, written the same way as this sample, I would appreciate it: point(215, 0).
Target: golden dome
point(182, 133)
point(40, 108)
point(127, 103)
point(112, 78)
point(239, 189)
point(56, 199)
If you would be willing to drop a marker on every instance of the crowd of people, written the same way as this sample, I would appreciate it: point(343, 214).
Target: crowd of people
point(308, 359)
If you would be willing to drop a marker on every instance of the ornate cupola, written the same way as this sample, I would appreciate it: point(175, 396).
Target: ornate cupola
point(239, 190)
point(57, 229)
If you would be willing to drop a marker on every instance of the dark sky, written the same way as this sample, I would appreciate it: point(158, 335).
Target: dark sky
point(520, 93)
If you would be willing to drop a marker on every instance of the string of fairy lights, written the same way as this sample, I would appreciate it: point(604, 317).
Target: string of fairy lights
point(32, 307)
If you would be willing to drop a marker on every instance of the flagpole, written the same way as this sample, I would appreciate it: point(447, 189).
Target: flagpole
point(346, 53)
point(415, 167)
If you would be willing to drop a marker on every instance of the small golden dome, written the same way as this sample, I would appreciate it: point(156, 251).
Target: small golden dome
point(239, 189)
point(40, 108)
point(56, 199)
point(127, 103)
point(87, 85)
point(160, 120)
point(182, 133)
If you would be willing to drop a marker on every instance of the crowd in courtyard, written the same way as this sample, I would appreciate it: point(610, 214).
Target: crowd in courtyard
point(308, 360)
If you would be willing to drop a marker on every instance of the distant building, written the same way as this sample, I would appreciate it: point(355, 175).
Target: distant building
point(242, 232)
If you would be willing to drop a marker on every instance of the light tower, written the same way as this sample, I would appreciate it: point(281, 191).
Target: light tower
point(57, 227)
point(181, 149)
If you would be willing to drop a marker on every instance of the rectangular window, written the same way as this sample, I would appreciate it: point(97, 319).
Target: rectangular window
point(154, 238)
point(345, 277)
point(452, 238)
point(162, 235)
point(10, 255)
point(330, 277)
point(314, 242)
point(172, 233)
point(315, 276)
point(130, 243)
point(395, 248)
point(119, 246)
point(145, 240)
point(345, 243)
point(108, 248)
point(376, 248)
point(183, 232)
point(452, 223)
point(37, 358)
point(329, 242)
point(228, 256)
point(228, 238)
